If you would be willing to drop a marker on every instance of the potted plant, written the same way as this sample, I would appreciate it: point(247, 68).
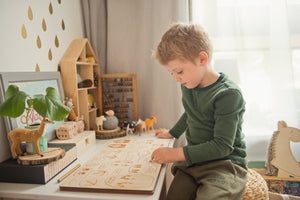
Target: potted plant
point(48, 105)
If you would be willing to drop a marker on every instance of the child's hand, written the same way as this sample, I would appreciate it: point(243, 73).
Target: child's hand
point(167, 155)
point(163, 133)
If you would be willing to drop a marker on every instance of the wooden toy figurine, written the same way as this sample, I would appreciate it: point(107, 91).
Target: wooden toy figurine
point(149, 123)
point(129, 130)
point(280, 154)
point(143, 126)
point(99, 122)
point(27, 135)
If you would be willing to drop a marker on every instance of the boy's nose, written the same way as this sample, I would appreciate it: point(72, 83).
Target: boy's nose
point(176, 78)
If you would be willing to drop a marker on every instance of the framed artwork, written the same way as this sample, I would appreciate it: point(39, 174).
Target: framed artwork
point(32, 83)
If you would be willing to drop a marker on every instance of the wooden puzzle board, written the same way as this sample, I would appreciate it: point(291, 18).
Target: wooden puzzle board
point(122, 166)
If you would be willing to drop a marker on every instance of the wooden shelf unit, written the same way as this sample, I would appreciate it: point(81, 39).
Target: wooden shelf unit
point(75, 62)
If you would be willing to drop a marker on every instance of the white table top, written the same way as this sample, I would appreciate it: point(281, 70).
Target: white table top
point(51, 189)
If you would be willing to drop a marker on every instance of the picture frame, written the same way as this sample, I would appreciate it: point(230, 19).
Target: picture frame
point(31, 83)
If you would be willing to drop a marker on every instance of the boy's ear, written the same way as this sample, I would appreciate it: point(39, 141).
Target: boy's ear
point(203, 58)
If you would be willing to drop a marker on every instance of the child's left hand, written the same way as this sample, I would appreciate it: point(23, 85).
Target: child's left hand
point(167, 155)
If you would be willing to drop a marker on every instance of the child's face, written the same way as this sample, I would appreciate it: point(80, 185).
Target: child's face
point(187, 73)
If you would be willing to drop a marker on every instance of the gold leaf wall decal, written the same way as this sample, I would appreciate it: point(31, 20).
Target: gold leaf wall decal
point(44, 26)
point(37, 68)
point(38, 42)
point(56, 41)
point(63, 25)
point(50, 8)
point(30, 15)
point(50, 54)
point(24, 32)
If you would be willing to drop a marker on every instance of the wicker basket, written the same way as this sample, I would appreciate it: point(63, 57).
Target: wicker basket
point(256, 187)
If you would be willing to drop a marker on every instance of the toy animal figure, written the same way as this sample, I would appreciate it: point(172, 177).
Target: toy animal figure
point(137, 129)
point(280, 154)
point(110, 113)
point(143, 126)
point(149, 123)
point(99, 122)
point(129, 130)
point(19, 135)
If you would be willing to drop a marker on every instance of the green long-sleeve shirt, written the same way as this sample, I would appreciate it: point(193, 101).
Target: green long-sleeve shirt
point(212, 121)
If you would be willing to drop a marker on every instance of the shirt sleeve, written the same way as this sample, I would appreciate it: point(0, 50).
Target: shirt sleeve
point(179, 127)
point(229, 108)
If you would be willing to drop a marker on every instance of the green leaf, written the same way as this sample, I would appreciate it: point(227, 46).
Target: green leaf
point(50, 105)
point(14, 105)
point(29, 102)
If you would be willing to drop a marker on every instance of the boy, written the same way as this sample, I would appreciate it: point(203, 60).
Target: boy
point(212, 165)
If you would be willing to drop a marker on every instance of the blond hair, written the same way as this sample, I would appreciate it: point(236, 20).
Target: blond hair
point(184, 42)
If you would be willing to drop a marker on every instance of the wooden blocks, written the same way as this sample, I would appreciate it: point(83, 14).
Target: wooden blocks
point(66, 130)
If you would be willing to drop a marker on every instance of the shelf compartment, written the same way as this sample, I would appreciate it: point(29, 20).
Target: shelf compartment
point(75, 62)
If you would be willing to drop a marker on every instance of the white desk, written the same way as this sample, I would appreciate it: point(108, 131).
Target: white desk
point(51, 189)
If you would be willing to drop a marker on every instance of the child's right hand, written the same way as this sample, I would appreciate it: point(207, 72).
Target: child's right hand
point(163, 133)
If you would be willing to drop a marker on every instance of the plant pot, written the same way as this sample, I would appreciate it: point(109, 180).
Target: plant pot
point(43, 143)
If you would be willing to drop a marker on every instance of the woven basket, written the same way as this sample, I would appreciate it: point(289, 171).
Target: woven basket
point(256, 187)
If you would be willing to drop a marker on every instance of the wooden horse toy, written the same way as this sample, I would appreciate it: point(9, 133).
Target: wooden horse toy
point(149, 123)
point(280, 154)
point(143, 126)
point(27, 135)
point(99, 122)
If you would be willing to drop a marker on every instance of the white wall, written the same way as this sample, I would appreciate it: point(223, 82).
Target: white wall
point(135, 27)
point(19, 54)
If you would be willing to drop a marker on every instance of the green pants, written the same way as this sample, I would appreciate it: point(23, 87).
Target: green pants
point(218, 180)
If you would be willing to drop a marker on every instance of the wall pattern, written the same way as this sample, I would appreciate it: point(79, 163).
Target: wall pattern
point(34, 15)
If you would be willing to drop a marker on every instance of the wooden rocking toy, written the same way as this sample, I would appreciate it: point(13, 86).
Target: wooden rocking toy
point(19, 135)
point(280, 154)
